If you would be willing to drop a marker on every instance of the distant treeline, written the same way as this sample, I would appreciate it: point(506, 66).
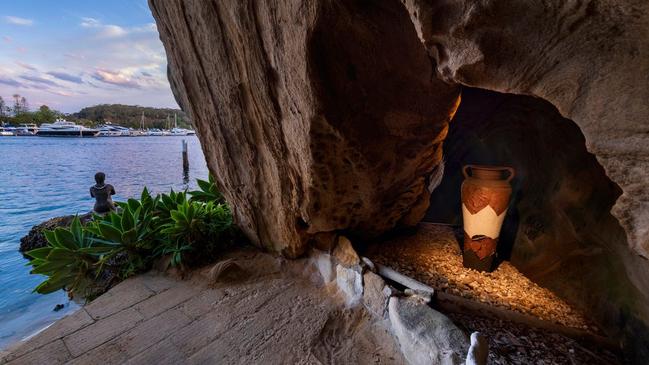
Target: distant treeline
point(19, 112)
point(130, 115)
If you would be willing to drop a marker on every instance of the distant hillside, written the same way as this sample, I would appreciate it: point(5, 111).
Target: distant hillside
point(130, 115)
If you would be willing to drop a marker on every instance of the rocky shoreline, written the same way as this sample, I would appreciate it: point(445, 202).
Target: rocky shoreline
point(36, 239)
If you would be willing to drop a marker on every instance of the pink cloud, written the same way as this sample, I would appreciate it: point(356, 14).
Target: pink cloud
point(115, 78)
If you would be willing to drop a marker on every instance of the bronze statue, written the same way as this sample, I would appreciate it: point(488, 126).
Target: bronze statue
point(102, 192)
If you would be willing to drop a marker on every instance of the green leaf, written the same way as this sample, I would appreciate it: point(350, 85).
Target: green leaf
point(116, 220)
point(48, 287)
point(109, 232)
point(127, 220)
point(65, 239)
point(76, 229)
point(39, 253)
point(50, 266)
point(129, 236)
point(178, 216)
point(133, 204)
point(145, 194)
point(61, 254)
point(97, 250)
point(204, 185)
point(50, 237)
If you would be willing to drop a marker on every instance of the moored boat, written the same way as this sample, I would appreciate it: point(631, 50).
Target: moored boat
point(154, 132)
point(28, 129)
point(64, 128)
point(6, 132)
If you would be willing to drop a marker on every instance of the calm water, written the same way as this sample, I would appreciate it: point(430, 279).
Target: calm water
point(41, 178)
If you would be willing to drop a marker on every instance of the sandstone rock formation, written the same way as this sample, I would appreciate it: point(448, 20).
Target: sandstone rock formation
point(313, 116)
point(588, 58)
point(318, 117)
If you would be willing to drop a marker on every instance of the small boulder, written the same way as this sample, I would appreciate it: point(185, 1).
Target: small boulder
point(36, 239)
point(350, 283)
point(426, 336)
point(376, 294)
point(479, 350)
point(345, 253)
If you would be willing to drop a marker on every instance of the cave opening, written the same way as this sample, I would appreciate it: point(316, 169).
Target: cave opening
point(558, 252)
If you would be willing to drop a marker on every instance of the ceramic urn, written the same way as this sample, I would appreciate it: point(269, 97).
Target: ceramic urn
point(485, 197)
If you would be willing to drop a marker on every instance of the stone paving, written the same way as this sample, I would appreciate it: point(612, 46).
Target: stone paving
point(274, 314)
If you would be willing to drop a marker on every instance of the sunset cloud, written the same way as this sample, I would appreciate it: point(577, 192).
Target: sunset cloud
point(115, 78)
point(10, 82)
point(17, 20)
point(66, 77)
point(39, 80)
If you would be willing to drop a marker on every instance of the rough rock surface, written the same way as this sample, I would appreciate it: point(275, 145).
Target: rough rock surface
point(584, 57)
point(588, 58)
point(35, 238)
point(313, 116)
point(426, 336)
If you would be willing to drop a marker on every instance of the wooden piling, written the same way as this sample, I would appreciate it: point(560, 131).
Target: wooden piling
point(185, 157)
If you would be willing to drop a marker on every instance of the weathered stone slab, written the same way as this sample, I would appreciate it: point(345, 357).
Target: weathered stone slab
point(202, 331)
point(124, 295)
point(162, 353)
point(202, 303)
point(170, 298)
point(157, 281)
point(54, 353)
point(129, 344)
point(60, 328)
point(101, 331)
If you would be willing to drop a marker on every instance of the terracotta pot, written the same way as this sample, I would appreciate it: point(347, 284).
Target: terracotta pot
point(485, 198)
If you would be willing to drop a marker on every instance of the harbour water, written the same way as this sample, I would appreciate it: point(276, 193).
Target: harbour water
point(42, 177)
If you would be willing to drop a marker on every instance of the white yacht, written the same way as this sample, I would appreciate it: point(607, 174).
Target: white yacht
point(154, 132)
point(177, 132)
point(138, 132)
point(63, 128)
point(28, 129)
point(109, 130)
point(6, 132)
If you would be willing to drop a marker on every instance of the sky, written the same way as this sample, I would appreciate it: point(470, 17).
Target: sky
point(71, 54)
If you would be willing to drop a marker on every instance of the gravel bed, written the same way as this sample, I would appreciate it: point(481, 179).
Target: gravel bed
point(432, 256)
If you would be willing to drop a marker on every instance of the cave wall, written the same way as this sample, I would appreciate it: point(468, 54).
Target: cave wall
point(314, 116)
point(558, 231)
